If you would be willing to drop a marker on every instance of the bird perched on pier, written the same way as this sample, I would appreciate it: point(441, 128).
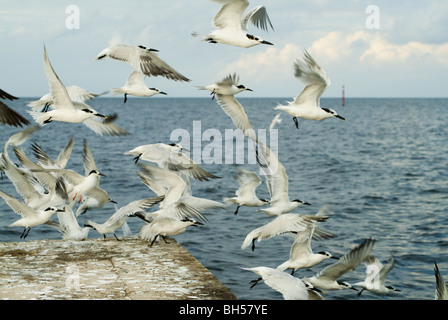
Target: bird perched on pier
point(231, 26)
point(143, 60)
point(307, 104)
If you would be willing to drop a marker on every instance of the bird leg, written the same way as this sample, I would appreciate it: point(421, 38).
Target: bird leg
point(154, 240)
point(25, 233)
point(125, 98)
point(253, 245)
point(213, 94)
point(296, 122)
point(75, 196)
point(137, 158)
point(116, 237)
point(255, 282)
point(359, 293)
point(47, 121)
point(237, 208)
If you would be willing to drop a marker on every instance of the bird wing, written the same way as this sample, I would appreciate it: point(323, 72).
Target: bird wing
point(249, 182)
point(386, 269)
point(230, 14)
point(105, 127)
point(157, 189)
point(11, 117)
point(230, 80)
point(235, 111)
point(302, 244)
point(441, 291)
point(315, 78)
point(348, 262)
point(88, 159)
point(259, 18)
point(79, 94)
point(136, 78)
point(17, 206)
point(61, 98)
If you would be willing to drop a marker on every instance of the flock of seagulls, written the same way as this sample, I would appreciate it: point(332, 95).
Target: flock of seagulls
point(47, 188)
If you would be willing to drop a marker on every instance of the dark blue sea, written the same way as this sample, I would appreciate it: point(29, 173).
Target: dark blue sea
point(384, 173)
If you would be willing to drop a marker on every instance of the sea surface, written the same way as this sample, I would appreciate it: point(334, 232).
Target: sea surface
point(384, 174)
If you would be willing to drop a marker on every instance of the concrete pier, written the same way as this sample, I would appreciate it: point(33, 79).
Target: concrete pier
point(97, 269)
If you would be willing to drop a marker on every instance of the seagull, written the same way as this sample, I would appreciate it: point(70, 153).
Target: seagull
point(69, 227)
point(142, 59)
point(301, 255)
point(232, 27)
point(277, 182)
point(118, 219)
point(249, 181)
point(30, 217)
point(227, 86)
point(441, 292)
point(165, 227)
point(135, 85)
point(307, 104)
point(170, 157)
point(9, 116)
point(76, 94)
point(327, 279)
point(290, 287)
point(376, 276)
point(285, 224)
point(66, 110)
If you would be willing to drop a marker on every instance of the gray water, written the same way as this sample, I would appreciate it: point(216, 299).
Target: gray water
point(384, 173)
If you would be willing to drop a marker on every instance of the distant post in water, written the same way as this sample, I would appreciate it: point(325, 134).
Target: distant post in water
point(343, 96)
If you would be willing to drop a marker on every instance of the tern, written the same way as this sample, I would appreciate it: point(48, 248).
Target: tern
point(66, 110)
point(285, 224)
point(441, 292)
point(30, 217)
point(327, 279)
point(165, 227)
point(301, 255)
point(170, 157)
point(307, 104)
point(142, 59)
point(227, 86)
point(232, 26)
point(178, 203)
point(277, 182)
point(135, 85)
point(290, 287)
point(118, 219)
point(376, 274)
point(7, 115)
point(249, 181)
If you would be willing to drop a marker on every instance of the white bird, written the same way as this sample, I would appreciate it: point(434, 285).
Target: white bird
point(170, 157)
point(285, 224)
point(142, 59)
point(307, 104)
point(66, 110)
point(376, 274)
point(177, 203)
point(135, 85)
point(277, 183)
point(47, 162)
point(246, 195)
point(69, 227)
point(277, 119)
point(290, 287)
point(118, 219)
point(441, 292)
point(165, 227)
point(20, 138)
point(30, 217)
point(227, 86)
point(9, 116)
point(301, 255)
point(76, 94)
point(327, 279)
point(232, 27)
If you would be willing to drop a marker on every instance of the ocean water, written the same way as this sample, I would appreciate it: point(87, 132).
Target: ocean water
point(384, 173)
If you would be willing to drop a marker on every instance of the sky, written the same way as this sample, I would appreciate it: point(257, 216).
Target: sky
point(399, 49)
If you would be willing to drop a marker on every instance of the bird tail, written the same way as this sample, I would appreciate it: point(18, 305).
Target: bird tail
point(117, 91)
point(39, 117)
point(283, 266)
point(201, 87)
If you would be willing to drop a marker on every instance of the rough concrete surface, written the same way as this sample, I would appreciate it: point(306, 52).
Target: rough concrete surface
point(98, 269)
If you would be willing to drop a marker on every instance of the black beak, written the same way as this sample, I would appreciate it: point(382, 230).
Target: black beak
point(161, 92)
point(267, 42)
point(342, 118)
point(247, 89)
point(154, 50)
point(101, 115)
point(336, 258)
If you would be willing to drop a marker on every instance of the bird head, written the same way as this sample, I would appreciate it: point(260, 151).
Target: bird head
point(327, 255)
point(333, 113)
point(346, 285)
point(301, 202)
point(258, 39)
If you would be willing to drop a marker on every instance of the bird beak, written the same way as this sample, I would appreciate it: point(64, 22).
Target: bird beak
point(154, 50)
point(101, 174)
point(336, 258)
point(101, 115)
point(267, 42)
point(342, 118)
point(318, 290)
point(61, 210)
point(307, 204)
point(354, 288)
point(161, 92)
point(247, 89)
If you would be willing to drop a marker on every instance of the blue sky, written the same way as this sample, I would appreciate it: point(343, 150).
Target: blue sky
point(406, 57)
